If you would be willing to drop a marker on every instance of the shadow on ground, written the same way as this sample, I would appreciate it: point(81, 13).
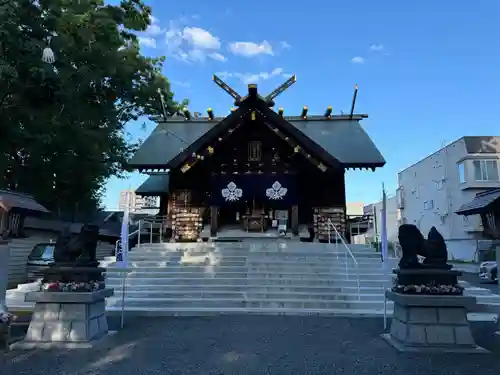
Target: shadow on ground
point(251, 345)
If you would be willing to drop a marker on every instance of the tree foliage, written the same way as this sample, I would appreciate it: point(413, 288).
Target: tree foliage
point(62, 124)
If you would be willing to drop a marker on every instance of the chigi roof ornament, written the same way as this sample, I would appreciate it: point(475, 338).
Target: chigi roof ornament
point(252, 90)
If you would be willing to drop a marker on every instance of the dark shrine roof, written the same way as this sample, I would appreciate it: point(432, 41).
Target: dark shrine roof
point(480, 203)
point(15, 200)
point(341, 137)
point(345, 140)
point(482, 144)
point(156, 184)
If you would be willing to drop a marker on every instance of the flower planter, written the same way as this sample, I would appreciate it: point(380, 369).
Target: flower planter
point(431, 323)
point(66, 319)
point(4, 336)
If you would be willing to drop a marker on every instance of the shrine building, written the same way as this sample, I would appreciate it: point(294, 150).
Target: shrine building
point(255, 169)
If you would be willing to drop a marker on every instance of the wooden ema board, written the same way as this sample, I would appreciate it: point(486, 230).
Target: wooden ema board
point(321, 227)
point(186, 220)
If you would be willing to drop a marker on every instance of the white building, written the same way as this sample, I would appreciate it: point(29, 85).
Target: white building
point(138, 204)
point(354, 208)
point(433, 189)
point(392, 219)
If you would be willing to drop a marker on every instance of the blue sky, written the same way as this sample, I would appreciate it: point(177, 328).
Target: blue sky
point(427, 70)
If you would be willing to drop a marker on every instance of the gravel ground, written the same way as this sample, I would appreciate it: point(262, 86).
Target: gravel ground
point(476, 281)
point(249, 345)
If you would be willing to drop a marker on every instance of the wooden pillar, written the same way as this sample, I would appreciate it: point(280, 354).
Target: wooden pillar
point(214, 222)
point(294, 224)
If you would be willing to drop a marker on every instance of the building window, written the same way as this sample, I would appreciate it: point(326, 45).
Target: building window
point(429, 205)
point(485, 170)
point(440, 184)
point(254, 151)
point(465, 221)
point(461, 172)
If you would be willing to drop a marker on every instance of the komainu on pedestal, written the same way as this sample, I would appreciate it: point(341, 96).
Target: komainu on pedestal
point(70, 308)
point(431, 276)
point(430, 310)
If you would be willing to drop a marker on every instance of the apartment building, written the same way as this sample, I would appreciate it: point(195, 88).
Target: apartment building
point(138, 204)
point(433, 189)
point(392, 219)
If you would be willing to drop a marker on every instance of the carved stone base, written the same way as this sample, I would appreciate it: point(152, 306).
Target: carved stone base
point(431, 323)
point(72, 273)
point(64, 319)
point(427, 276)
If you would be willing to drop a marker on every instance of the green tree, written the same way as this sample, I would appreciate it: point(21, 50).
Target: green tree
point(62, 124)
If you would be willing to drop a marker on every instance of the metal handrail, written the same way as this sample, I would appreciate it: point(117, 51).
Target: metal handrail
point(338, 235)
point(154, 220)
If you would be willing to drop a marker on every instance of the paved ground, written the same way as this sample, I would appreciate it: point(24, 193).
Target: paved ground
point(476, 281)
point(249, 345)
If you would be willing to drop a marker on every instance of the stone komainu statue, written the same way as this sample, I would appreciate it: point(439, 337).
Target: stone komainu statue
point(413, 243)
point(80, 249)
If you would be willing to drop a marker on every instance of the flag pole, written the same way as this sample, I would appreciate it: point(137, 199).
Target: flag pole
point(384, 249)
point(124, 252)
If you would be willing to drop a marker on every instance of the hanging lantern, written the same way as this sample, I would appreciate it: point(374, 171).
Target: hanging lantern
point(47, 54)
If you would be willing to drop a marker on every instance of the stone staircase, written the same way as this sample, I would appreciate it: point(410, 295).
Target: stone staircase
point(266, 277)
point(254, 277)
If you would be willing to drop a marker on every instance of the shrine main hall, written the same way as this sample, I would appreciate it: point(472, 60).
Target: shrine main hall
point(255, 169)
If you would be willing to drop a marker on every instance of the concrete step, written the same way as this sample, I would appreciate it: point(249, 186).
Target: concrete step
point(159, 282)
point(269, 254)
point(242, 302)
point(248, 274)
point(249, 287)
point(206, 311)
point(258, 260)
point(181, 295)
point(289, 268)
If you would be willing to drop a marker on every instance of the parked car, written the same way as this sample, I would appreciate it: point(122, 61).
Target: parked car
point(40, 258)
point(488, 271)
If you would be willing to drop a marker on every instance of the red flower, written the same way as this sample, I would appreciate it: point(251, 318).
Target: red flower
point(53, 286)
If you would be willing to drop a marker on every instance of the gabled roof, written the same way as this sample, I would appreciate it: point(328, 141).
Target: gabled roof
point(480, 203)
point(156, 184)
point(14, 200)
point(344, 139)
point(338, 139)
point(168, 140)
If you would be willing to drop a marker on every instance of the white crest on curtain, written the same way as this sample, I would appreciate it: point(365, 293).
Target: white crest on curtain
point(276, 191)
point(231, 193)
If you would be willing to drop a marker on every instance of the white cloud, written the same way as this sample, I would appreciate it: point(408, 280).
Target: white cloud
point(147, 42)
point(250, 49)
point(154, 30)
point(247, 78)
point(358, 60)
point(285, 45)
point(180, 83)
point(200, 38)
point(192, 44)
point(377, 47)
point(217, 56)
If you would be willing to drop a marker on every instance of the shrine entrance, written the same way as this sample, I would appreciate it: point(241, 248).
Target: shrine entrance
point(254, 203)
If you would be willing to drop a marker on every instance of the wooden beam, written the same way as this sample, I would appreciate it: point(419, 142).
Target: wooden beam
point(296, 147)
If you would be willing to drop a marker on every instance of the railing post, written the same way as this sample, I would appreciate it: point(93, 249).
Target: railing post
point(161, 229)
point(151, 232)
point(139, 236)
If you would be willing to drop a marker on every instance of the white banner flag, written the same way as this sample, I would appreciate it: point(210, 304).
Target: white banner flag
point(383, 230)
point(122, 254)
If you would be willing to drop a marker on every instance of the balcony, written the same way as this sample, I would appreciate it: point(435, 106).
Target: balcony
point(400, 198)
point(478, 174)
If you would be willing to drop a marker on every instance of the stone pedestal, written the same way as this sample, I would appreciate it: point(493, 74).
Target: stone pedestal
point(4, 271)
point(436, 323)
point(66, 319)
